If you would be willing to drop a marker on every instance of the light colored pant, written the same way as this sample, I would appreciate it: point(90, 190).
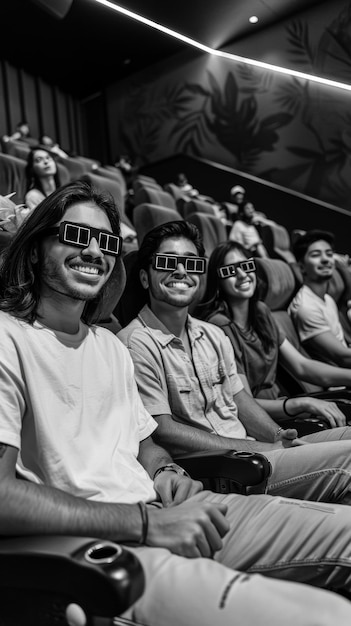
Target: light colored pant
point(277, 537)
point(320, 471)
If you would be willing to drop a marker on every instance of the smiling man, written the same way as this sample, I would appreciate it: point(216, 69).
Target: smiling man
point(313, 310)
point(186, 374)
point(72, 421)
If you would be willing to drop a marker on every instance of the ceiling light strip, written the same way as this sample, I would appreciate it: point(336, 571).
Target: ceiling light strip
point(220, 53)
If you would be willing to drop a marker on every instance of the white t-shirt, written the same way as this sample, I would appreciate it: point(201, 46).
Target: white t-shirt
point(245, 234)
point(313, 315)
point(70, 404)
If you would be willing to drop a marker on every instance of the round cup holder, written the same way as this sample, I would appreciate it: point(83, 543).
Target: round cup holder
point(103, 552)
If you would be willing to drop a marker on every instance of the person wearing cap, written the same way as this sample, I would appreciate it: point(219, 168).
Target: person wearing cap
point(313, 310)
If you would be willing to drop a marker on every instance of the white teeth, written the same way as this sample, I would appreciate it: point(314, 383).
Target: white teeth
point(178, 285)
point(85, 269)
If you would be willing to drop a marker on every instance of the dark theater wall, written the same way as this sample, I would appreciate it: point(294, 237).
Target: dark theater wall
point(285, 130)
point(46, 109)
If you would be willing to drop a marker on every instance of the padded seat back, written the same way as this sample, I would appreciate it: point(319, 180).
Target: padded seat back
point(114, 188)
point(12, 177)
point(211, 228)
point(75, 167)
point(277, 285)
point(146, 216)
point(197, 206)
point(153, 195)
point(277, 282)
point(276, 240)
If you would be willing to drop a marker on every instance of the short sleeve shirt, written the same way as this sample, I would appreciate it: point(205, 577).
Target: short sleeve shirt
point(70, 405)
point(258, 364)
point(198, 391)
point(313, 315)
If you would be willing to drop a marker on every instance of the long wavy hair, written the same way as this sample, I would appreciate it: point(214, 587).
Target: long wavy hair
point(33, 181)
point(20, 278)
point(215, 298)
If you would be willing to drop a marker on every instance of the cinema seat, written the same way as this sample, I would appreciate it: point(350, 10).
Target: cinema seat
point(146, 216)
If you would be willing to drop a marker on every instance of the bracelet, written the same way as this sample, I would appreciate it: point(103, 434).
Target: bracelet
point(144, 520)
point(171, 467)
point(284, 408)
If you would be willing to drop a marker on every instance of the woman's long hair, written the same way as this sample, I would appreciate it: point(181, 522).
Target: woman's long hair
point(33, 181)
point(215, 298)
point(20, 278)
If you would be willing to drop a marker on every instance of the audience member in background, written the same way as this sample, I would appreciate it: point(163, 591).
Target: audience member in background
point(231, 302)
point(237, 197)
point(48, 143)
point(42, 176)
point(314, 311)
point(190, 193)
point(22, 133)
point(73, 410)
point(187, 189)
point(245, 232)
point(187, 377)
point(124, 163)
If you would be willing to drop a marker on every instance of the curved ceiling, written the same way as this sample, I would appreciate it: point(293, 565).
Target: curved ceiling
point(93, 46)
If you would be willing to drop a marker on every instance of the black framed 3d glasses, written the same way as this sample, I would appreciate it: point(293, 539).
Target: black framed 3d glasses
point(169, 263)
point(80, 235)
point(230, 270)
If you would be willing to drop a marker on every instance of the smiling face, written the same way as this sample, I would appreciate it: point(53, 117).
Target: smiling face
point(241, 286)
point(176, 288)
point(318, 263)
point(43, 164)
point(76, 273)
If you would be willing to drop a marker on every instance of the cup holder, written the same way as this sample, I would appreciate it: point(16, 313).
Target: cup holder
point(103, 552)
point(243, 454)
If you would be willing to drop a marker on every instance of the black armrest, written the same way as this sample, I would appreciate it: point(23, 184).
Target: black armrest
point(305, 425)
point(228, 471)
point(41, 576)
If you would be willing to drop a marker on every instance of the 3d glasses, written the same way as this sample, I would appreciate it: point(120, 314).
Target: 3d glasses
point(80, 235)
point(169, 263)
point(230, 270)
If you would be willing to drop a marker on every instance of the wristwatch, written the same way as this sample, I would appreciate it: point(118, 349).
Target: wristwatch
point(171, 467)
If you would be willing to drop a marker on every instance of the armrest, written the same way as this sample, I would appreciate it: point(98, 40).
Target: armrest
point(305, 425)
point(342, 397)
point(228, 471)
point(41, 576)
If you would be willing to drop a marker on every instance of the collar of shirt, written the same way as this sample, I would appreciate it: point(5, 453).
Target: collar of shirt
point(161, 333)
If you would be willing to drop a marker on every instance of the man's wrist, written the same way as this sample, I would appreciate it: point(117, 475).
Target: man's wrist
point(171, 467)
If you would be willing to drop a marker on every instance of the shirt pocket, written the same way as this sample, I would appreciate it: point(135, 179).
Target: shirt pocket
point(181, 396)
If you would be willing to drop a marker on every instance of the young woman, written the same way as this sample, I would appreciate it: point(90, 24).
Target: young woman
point(42, 176)
point(232, 303)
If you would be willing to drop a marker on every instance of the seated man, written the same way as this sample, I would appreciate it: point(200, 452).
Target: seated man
point(72, 418)
point(244, 231)
point(187, 377)
point(313, 310)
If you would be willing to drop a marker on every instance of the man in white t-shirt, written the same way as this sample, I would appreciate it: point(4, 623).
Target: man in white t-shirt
point(72, 420)
point(313, 310)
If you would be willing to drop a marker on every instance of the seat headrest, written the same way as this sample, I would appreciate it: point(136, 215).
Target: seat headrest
point(277, 282)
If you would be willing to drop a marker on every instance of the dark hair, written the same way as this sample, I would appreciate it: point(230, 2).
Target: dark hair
point(134, 295)
point(32, 179)
point(154, 238)
point(302, 244)
point(20, 277)
point(214, 299)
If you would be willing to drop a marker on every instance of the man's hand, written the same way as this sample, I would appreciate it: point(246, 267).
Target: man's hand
point(192, 529)
point(174, 489)
point(286, 438)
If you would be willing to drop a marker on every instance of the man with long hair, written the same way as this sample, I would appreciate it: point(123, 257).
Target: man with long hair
point(73, 423)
